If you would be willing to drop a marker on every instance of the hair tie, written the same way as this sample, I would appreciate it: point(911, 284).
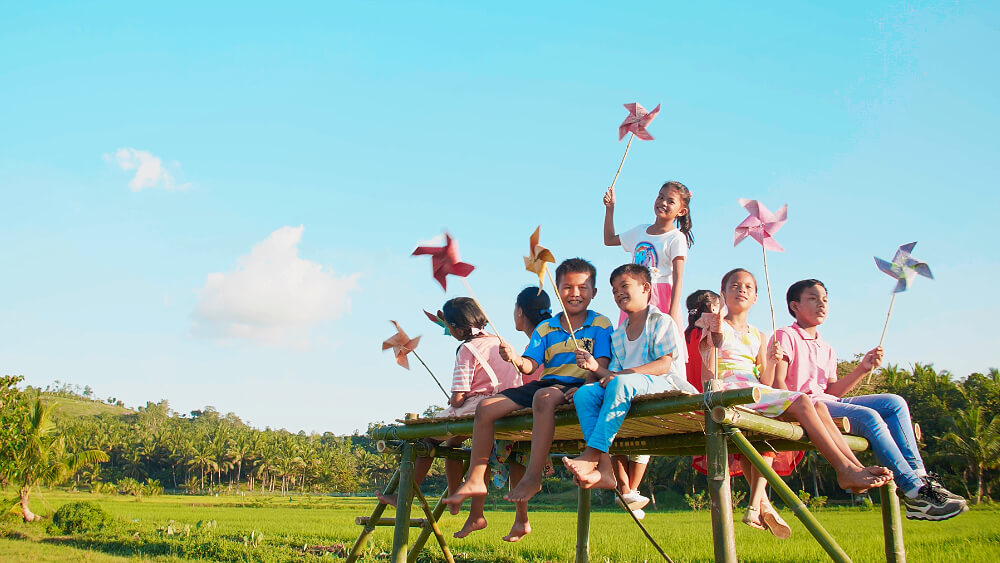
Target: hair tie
point(477, 331)
point(692, 311)
point(545, 312)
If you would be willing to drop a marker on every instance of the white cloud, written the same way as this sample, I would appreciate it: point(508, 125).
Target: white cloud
point(149, 169)
point(273, 296)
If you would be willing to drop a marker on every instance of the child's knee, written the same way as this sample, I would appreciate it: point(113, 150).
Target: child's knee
point(547, 399)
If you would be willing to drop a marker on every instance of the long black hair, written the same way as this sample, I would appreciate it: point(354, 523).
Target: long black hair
point(535, 305)
point(683, 222)
point(462, 315)
point(699, 302)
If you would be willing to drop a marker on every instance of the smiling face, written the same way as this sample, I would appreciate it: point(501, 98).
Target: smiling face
point(740, 292)
point(577, 290)
point(811, 308)
point(669, 205)
point(631, 293)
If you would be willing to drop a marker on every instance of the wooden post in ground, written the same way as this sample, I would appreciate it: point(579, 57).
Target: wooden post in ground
point(373, 521)
point(717, 458)
point(892, 525)
point(583, 526)
point(438, 512)
point(817, 530)
point(432, 525)
point(404, 500)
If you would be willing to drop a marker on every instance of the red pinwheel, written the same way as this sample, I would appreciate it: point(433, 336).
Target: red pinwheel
point(637, 120)
point(445, 261)
point(401, 345)
point(761, 224)
point(439, 320)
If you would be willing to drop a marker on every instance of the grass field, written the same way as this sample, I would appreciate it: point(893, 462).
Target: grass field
point(289, 525)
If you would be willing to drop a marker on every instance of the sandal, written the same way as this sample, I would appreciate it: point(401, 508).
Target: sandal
point(752, 518)
point(775, 524)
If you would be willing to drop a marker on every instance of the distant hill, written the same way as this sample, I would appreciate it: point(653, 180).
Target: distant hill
point(72, 407)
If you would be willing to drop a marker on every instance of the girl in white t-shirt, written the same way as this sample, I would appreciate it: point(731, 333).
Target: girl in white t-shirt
point(661, 246)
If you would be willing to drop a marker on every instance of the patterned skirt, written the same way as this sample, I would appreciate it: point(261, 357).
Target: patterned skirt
point(773, 401)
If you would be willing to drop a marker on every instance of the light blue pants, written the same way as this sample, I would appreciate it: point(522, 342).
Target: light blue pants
point(602, 410)
point(884, 420)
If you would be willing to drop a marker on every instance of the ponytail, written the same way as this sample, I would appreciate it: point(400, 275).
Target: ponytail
point(684, 221)
point(535, 304)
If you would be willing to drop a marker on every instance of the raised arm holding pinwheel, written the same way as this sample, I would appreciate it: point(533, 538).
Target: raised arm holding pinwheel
point(761, 225)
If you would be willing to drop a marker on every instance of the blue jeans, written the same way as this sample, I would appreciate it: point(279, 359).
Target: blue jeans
point(602, 410)
point(884, 420)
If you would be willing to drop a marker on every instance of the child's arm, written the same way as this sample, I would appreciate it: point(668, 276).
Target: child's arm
point(868, 364)
point(457, 398)
point(523, 364)
point(677, 280)
point(598, 367)
point(610, 237)
point(768, 358)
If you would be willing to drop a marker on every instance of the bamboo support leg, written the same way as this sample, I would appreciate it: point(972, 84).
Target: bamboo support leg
point(438, 512)
point(373, 520)
point(717, 454)
point(583, 526)
point(817, 530)
point(404, 501)
point(892, 525)
point(433, 526)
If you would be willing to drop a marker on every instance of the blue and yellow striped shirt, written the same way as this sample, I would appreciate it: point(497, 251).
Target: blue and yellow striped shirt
point(552, 346)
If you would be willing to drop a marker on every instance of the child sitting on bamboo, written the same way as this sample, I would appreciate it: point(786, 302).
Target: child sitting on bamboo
point(643, 352)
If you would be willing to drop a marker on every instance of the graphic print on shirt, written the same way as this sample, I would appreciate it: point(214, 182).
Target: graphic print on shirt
point(645, 255)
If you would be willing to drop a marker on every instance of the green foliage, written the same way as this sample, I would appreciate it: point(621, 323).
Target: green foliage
point(817, 503)
point(79, 518)
point(697, 501)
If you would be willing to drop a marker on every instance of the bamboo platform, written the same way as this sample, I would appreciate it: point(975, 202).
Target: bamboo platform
point(664, 424)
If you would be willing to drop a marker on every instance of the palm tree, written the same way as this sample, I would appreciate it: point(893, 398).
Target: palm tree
point(975, 441)
point(44, 459)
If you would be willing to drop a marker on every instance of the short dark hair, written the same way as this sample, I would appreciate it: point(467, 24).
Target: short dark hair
point(535, 304)
point(575, 266)
point(462, 315)
point(732, 273)
point(795, 292)
point(636, 270)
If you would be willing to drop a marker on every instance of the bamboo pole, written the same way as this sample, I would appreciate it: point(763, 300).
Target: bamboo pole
point(892, 528)
point(569, 325)
point(376, 514)
point(404, 501)
point(386, 521)
point(641, 527)
point(433, 525)
point(438, 512)
point(823, 537)
point(463, 427)
point(887, 315)
point(583, 526)
point(767, 280)
point(447, 396)
point(622, 163)
point(717, 454)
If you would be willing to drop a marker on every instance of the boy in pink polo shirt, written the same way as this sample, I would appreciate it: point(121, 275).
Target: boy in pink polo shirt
point(809, 365)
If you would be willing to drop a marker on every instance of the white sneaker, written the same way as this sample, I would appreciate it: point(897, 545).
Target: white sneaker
point(639, 513)
point(634, 500)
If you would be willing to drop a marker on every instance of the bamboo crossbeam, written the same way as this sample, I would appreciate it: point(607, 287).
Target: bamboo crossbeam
point(386, 521)
point(667, 405)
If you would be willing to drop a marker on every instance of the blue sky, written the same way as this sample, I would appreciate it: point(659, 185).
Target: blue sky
point(304, 152)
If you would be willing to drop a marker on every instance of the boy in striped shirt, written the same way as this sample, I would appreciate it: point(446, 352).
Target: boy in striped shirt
point(552, 346)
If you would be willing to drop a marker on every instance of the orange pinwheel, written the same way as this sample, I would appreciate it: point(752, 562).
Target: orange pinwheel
point(401, 345)
point(539, 257)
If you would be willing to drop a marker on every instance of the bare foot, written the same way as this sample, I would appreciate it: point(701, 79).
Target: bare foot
point(471, 525)
point(859, 480)
point(518, 531)
point(386, 499)
point(527, 488)
point(467, 490)
point(454, 509)
point(605, 477)
point(579, 467)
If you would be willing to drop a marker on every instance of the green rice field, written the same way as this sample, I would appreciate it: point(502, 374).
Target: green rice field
point(166, 528)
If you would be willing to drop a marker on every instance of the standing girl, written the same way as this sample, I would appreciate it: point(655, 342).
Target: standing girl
point(743, 362)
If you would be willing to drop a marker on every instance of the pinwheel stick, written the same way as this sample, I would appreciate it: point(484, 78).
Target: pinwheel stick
point(473, 296)
point(414, 352)
point(563, 305)
point(887, 315)
point(627, 145)
point(767, 280)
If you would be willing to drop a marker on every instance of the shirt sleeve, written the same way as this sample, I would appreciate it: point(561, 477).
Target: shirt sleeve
point(602, 342)
point(677, 247)
point(536, 348)
point(663, 338)
point(785, 340)
point(629, 239)
point(465, 369)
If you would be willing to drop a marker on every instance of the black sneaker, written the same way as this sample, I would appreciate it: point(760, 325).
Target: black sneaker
point(931, 505)
point(934, 481)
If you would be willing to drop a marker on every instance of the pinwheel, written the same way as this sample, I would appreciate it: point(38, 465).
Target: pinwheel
point(537, 263)
point(761, 225)
point(904, 269)
point(635, 123)
point(402, 345)
point(439, 320)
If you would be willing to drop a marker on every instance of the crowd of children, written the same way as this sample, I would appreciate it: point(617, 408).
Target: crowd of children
point(579, 357)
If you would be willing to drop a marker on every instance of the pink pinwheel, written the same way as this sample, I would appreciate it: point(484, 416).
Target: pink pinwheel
point(401, 345)
point(445, 261)
point(439, 320)
point(636, 122)
point(761, 225)
point(904, 268)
